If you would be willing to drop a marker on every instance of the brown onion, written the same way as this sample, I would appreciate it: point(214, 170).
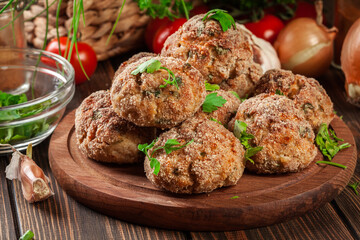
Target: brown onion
point(305, 47)
point(350, 62)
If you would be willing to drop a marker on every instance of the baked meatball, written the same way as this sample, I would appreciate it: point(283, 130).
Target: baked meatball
point(103, 136)
point(307, 93)
point(226, 112)
point(281, 129)
point(214, 159)
point(143, 99)
point(224, 58)
point(133, 59)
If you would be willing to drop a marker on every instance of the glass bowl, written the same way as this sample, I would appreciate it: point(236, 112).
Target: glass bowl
point(47, 81)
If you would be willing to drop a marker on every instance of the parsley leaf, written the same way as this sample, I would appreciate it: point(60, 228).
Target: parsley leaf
point(354, 186)
point(238, 97)
point(165, 8)
point(244, 137)
point(225, 19)
point(215, 120)
point(211, 87)
point(154, 65)
point(149, 66)
point(278, 92)
point(327, 144)
point(234, 197)
point(169, 147)
point(212, 102)
point(28, 235)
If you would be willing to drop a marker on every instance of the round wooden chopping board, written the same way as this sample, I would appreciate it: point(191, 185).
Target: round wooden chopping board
point(257, 200)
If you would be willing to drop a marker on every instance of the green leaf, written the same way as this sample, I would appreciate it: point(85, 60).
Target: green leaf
point(329, 145)
point(332, 164)
point(155, 164)
point(211, 87)
point(251, 152)
point(234, 197)
point(278, 92)
point(149, 66)
point(170, 144)
point(354, 186)
point(215, 120)
point(27, 236)
point(212, 102)
point(225, 19)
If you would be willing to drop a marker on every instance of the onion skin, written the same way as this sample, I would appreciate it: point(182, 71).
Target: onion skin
point(350, 62)
point(305, 47)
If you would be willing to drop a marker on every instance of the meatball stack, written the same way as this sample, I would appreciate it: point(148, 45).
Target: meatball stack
point(197, 151)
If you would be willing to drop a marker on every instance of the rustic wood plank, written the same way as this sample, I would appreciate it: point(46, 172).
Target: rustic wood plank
point(8, 230)
point(323, 223)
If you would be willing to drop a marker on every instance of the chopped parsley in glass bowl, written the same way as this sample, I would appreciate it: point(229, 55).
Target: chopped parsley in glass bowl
point(35, 87)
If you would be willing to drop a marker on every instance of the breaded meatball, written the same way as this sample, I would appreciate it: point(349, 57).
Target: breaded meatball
point(281, 129)
point(226, 112)
point(214, 159)
point(143, 99)
point(103, 136)
point(224, 58)
point(133, 59)
point(307, 93)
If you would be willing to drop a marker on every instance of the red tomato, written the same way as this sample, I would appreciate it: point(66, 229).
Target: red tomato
point(86, 53)
point(199, 10)
point(152, 28)
point(164, 32)
point(266, 28)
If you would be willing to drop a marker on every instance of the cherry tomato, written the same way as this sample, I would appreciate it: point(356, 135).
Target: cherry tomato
point(266, 28)
point(86, 53)
point(152, 28)
point(199, 10)
point(164, 32)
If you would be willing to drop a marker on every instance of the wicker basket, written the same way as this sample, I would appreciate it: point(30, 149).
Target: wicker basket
point(99, 18)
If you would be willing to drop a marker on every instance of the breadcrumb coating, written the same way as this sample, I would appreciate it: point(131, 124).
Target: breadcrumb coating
point(281, 129)
point(103, 136)
point(215, 158)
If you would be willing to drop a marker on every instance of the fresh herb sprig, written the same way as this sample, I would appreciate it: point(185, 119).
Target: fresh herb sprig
point(211, 87)
point(244, 137)
point(170, 146)
point(154, 65)
point(278, 92)
point(28, 235)
point(165, 8)
point(213, 102)
point(226, 20)
point(329, 145)
point(354, 186)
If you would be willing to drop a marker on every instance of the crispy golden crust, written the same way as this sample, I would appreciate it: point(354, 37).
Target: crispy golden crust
point(307, 93)
point(103, 136)
point(225, 58)
point(141, 100)
point(133, 59)
point(215, 158)
point(281, 129)
point(226, 112)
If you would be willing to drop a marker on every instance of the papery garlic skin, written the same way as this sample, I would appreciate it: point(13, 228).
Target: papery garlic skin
point(34, 183)
point(264, 53)
point(350, 62)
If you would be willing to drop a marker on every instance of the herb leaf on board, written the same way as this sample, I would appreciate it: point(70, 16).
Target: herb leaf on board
point(212, 102)
point(225, 19)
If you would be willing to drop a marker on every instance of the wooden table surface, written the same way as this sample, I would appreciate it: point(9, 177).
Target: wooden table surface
point(61, 217)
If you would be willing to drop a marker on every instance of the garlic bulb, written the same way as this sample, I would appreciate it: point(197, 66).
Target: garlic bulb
point(350, 62)
point(264, 53)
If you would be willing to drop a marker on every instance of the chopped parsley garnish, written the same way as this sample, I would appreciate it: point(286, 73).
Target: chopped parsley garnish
point(234, 197)
point(329, 145)
point(215, 120)
point(211, 87)
point(16, 133)
point(27, 236)
point(278, 92)
point(170, 146)
point(354, 186)
point(225, 19)
point(244, 137)
point(154, 65)
point(212, 102)
point(332, 164)
point(238, 97)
